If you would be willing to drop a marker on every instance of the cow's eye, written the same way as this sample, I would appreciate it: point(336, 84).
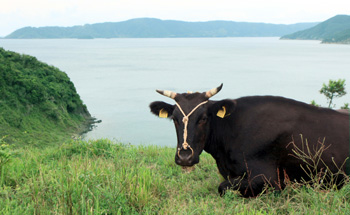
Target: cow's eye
point(203, 120)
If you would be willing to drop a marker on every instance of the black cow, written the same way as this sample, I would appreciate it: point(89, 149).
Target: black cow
point(254, 139)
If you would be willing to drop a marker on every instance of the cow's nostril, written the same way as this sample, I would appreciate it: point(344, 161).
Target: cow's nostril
point(185, 155)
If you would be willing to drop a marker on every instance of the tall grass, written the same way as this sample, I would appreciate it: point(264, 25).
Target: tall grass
point(106, 177)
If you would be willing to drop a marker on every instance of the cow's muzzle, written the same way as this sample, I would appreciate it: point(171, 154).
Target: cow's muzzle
point(185, 157)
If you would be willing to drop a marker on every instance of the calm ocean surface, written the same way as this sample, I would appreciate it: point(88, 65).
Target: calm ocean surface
point(117, 78)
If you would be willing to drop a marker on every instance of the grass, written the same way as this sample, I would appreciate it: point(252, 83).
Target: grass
point(106, 177)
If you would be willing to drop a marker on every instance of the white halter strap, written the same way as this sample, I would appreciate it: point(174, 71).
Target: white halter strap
point(185, 120)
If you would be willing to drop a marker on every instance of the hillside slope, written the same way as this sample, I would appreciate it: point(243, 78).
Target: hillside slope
point(335, 29)
point(341, 37)
point(156, 28)
point(37, 101)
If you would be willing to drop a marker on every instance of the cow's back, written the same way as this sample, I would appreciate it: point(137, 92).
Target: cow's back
point(266, 130)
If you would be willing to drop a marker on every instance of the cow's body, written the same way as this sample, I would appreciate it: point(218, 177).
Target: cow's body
point(253, 142)
point(258, 140)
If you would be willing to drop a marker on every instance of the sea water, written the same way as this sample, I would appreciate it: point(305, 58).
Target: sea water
point(117, 78)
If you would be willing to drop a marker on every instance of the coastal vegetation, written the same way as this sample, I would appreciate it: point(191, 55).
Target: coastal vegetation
point(334, 89)
point(156, 28)
point(37, 102)
point(333, 30)
point(341, 37)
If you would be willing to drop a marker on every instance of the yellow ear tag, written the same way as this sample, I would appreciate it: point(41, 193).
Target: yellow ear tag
point(221, 113)
point(163, 113)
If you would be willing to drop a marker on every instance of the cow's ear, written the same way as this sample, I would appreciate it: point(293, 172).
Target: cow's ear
point(162, 109)
point(223, 108)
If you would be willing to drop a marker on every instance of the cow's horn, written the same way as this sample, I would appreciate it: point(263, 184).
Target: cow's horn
point(213, 91)
point(167, 93)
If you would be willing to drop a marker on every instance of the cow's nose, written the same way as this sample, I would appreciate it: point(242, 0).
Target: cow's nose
point(185, 157)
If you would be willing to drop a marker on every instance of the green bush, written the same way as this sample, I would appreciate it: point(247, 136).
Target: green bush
point(5, 158)
point(31, 90)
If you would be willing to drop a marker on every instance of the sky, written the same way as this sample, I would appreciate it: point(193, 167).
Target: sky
point(15, 14)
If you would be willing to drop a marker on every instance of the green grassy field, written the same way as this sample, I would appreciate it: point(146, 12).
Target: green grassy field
point(105, 177)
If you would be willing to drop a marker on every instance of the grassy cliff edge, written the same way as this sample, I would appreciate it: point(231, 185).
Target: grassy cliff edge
point(37, 102)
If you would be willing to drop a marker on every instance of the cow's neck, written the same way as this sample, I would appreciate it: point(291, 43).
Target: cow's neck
point(211, 146)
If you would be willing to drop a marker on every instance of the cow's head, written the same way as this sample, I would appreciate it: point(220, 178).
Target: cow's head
point(192, 115)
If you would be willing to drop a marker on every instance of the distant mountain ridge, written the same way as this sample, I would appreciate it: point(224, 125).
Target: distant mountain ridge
point(156, 28)
point(333, 30)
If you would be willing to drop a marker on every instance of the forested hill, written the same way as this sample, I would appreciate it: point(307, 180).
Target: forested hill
point(333, 30)
point(156, 28)
point(37, 102)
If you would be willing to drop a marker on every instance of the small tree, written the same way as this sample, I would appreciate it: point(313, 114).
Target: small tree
point(313, 102)
point(346, 106)
point(333, 90)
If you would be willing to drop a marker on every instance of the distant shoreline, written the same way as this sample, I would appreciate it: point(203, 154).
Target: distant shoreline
point(156, 28)
point(321, 41)
point(335, 30)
